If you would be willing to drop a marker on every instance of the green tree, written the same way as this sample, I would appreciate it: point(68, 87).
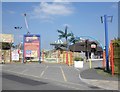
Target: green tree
point(64, 34)
point(73, 39)
point(6, 46)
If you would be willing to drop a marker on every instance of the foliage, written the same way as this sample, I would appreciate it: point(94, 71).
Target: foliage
point(116, 45)
point(6, 46)
point(73, 39)
point(64, 34)
point(78, 59)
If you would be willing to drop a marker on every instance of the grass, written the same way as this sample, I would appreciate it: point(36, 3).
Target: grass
point(103, 72)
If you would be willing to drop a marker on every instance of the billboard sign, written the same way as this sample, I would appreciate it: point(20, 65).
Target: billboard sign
point(9, 38)
point(31, 46)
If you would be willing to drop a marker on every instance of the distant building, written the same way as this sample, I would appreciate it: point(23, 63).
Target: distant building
point(90, 48)
point(5, 47)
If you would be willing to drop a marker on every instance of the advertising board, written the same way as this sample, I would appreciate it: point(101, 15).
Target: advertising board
point(31, 46)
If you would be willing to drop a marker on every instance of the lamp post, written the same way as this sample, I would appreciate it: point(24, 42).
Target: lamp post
point(26, 23)
point(105, 19)
point(18, 47)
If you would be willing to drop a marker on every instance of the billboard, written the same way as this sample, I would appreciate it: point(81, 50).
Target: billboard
point(31, 46)
point(6, 38)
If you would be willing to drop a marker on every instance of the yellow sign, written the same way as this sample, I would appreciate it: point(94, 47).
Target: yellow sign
point(6, 38)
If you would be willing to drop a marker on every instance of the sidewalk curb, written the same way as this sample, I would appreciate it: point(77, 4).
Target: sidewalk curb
point(101, 83)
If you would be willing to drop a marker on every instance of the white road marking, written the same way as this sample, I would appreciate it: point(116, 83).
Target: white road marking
point(43, 71)
point(24, 71)
point(63, 74)
point(48, 79)
point(14, 68)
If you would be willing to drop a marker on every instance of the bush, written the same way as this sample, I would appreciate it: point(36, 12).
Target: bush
point(116, 45)
point(78, 59)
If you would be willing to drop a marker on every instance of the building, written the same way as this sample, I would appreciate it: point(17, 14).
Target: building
point(5, 47)
point(90, 48)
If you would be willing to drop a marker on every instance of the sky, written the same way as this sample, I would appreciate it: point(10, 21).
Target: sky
point(44, 18)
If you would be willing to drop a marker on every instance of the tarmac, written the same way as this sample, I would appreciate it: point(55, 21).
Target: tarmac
point(97, 77)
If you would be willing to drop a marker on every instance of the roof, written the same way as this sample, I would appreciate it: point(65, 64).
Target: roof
point(78, 47)
point(81, 46)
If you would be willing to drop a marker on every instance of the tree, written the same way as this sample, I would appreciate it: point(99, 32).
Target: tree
point(7, 46)
point(73, 39)
point(64, 34)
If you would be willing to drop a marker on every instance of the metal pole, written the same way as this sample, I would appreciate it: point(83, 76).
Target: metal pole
point(26, 23)
point(10, 52)
point(106, 42)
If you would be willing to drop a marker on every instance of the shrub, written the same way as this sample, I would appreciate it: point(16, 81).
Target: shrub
point(116, 45)
point(78, 59)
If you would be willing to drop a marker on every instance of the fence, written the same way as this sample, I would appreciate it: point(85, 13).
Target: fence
point(58, 56)
point(114, 57)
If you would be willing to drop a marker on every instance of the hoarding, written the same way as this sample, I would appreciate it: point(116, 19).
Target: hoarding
point(32, 46)
point(6, 38)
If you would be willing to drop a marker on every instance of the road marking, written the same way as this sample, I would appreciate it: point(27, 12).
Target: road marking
point(63, 74)
point(43, 71)
point(77, 69)
point(80, 78)
point(24, 71)
point(14, 68)
point(47, 79)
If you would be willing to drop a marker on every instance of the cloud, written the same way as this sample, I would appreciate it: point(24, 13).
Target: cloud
point(11, 12)
point(66, 25)
point(49, 10)
point(114, 6)
point(61, 1)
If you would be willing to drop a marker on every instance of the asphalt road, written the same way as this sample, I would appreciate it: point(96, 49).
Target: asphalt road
point(42, 77)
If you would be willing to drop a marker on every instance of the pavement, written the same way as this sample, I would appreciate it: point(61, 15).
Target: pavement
point(58, 76)
point(97, 77)
point(44, 76)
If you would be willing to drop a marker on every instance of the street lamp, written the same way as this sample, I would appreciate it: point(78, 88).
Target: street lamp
point(105, 19)
point(26, 23)
point(18, 46)
point(18, 28)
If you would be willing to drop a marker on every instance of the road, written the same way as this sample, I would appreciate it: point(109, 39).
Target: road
point(42, 77)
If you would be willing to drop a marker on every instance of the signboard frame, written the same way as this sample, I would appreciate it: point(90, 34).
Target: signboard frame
point(29, 41)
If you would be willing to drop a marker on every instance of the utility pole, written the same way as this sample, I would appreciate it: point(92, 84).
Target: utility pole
point(105, 19)
point(86, 50)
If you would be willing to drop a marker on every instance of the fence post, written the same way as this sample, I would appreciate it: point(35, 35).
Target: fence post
point(66, 57)
point(43, 55)
point(103, 60)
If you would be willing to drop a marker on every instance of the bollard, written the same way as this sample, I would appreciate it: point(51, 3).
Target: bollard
point(90, 63)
